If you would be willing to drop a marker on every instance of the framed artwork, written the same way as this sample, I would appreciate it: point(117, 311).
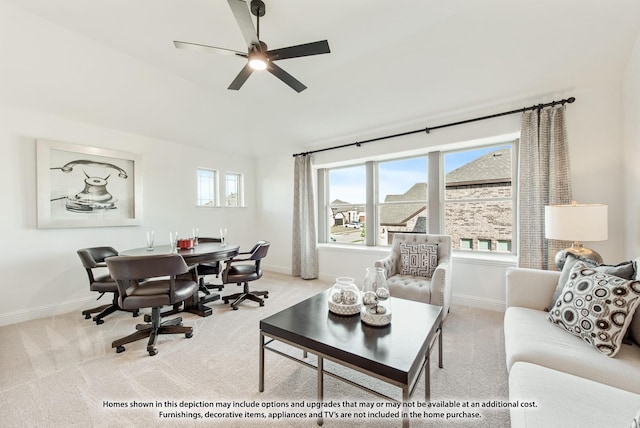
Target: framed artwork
point(81, 186)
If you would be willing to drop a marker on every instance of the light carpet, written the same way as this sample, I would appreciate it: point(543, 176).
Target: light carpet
point(62, 372)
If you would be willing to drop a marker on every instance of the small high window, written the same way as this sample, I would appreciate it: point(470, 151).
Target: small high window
point(207, 188)
point(234, 190)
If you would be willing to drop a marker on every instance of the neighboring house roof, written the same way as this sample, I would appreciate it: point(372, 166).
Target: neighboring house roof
point(417, 192)
point(400, 214)
point(346, 206)
point(339, 202)
point(494, 167)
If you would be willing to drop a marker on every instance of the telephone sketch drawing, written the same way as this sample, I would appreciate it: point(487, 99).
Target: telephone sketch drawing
point(94, 196)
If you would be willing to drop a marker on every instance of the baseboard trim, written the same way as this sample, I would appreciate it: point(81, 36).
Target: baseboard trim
point(478, 302)
point(277, 269)
point(84, 303)
point(48, 311)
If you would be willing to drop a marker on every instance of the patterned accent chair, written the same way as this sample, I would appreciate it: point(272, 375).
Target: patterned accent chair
point(435, 289)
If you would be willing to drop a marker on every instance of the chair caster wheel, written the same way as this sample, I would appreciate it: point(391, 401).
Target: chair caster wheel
point(119, 349)
point(147, 318)
point(136, 313)
point(261, 303)
point(98, 322)
point(87, 316)
point(188, 335)
point(152, 351)
point(235, 308)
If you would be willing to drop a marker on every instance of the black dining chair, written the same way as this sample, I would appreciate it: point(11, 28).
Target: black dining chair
point(93, 260)
point(205, 269)
point(152, 282)
point(242, 270)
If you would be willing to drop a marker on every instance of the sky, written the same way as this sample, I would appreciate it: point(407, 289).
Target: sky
point(395, 177)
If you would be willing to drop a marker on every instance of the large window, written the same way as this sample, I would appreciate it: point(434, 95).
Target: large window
point(468, 194)
point(347, 202)
point(234, 196)
point(402, 198)
point(207, 188)
point(479, 198)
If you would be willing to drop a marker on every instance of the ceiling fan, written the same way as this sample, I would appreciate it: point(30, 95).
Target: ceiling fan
point(257, 55)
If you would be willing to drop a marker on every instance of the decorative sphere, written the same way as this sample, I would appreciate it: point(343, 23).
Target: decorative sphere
point(337, 297)
point(381, 310)
point(382, 293)
point(349, 297)
point(369, 298)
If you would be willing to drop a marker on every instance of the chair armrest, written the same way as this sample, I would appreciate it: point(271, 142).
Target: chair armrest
point(237, 259)
point(441, 285)
point(530, 288)
point(389, 264)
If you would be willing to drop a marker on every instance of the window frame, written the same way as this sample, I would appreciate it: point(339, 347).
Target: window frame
point(213, 183)
point(239, 179)
point(378, 204)
point(514, 144)
point(436, 190)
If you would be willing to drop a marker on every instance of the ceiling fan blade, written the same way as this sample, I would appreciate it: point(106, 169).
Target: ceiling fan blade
point(205, 48)
point(241, 78)
point(294, 83)
point(243, 18)
point(307, 49)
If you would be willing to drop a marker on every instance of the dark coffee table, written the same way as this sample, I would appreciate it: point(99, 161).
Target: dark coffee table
point(396, 354)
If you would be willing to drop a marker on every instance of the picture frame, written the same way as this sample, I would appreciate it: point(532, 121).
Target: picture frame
point(82, 186)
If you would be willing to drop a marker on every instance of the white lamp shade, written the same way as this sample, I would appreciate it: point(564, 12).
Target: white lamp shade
point(577, 222)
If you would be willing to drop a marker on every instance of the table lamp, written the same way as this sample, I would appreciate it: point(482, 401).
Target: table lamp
point(577, 223)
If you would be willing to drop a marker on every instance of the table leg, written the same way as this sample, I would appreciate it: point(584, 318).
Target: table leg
point(427, 379)
point(261, 365)
point(404, 409)
point(440, 347)
point(197, 307)
point(193, 303)
point(320, 388)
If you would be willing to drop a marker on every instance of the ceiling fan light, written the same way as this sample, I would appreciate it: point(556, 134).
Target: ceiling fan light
point(257, 61)
point(257, 64)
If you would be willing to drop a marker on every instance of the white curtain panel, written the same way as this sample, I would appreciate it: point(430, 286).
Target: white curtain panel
point(304, 251)
point(545, 178)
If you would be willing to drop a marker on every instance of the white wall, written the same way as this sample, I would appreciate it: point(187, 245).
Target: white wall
point(41, 272)
point(595, 136)
point(631, 128)
point(51, 68)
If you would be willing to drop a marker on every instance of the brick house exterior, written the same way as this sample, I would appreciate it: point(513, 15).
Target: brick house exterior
point(473, 220)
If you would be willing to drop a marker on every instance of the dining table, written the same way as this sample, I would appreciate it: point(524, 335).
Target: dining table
point(206, 252)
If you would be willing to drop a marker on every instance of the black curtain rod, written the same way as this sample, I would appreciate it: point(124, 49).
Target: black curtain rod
point(446, 125)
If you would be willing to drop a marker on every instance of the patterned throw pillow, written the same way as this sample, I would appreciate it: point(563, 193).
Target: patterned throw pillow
point(597, 307)
point(418, 259)
point(626, 270)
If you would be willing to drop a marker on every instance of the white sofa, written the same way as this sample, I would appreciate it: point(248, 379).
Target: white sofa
point(572, 383)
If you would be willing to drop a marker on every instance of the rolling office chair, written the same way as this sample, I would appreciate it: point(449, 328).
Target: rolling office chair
point(140, 286)
point(209, 268)
point(93, 258)
point(242, 273)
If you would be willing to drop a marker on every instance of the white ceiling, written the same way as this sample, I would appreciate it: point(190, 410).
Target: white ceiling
point(391, 62)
